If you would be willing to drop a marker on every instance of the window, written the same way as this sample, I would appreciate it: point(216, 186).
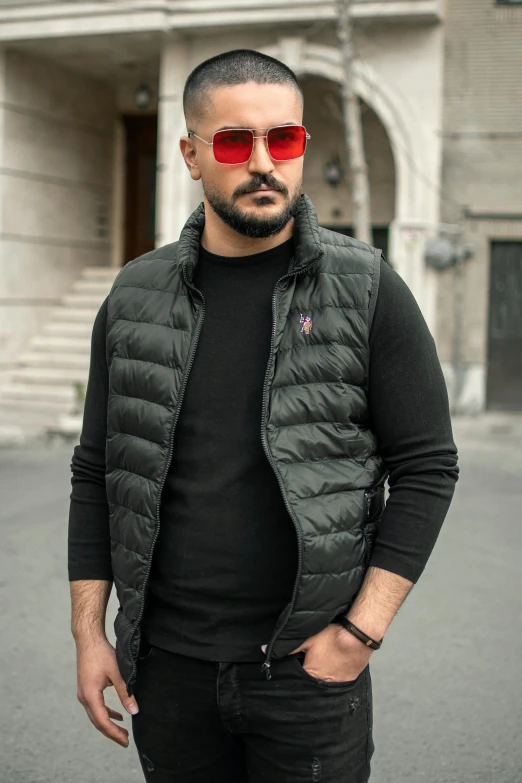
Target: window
point(508, 2)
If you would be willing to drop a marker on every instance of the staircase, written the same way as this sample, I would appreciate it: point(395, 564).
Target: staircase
point(42, 392)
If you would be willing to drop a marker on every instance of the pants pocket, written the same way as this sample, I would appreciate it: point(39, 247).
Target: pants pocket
point(298, 665)
point(145, 651)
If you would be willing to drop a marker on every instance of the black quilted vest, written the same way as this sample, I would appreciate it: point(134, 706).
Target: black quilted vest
point(315, 424)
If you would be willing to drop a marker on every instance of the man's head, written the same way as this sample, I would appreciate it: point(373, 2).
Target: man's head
point(244, 89)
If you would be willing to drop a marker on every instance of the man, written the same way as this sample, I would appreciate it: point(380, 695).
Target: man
point(251, 388)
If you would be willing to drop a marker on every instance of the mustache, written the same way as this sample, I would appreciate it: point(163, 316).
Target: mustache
point(257, 181)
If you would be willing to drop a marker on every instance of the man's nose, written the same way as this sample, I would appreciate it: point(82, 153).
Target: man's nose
point(260, 162)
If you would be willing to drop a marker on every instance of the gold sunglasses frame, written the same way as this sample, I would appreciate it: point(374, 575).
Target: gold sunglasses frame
point(274, 127)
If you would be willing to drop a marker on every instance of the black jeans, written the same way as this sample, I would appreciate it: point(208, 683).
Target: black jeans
point(208, 722)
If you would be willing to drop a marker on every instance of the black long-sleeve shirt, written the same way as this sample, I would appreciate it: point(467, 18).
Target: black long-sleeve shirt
point(225, 559)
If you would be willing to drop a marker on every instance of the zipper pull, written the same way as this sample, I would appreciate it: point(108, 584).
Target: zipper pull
point(368, 502)
point(266, 667)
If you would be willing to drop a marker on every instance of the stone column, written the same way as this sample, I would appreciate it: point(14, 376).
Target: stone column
point(418, 160)
point(408, 238)
point(175, 190)
point(118, 194)
point(417, 173)
point(2, 134)
point(4, 331)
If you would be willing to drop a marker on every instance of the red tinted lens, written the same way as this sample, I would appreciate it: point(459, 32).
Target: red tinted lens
point(287, 142)
point(233, 146)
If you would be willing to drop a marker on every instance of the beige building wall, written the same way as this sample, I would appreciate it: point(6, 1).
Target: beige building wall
point(482, 169)
point(482, 107)
point(56, 147)
point(56, 179)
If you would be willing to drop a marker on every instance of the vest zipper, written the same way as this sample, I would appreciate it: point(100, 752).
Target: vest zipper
point(265, 666)
point(167, 465)
point(368, 504)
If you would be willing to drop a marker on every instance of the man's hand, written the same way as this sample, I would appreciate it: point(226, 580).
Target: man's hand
point(334, 655)
point(97, 669)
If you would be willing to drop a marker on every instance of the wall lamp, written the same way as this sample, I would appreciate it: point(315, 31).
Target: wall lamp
point(333, 171)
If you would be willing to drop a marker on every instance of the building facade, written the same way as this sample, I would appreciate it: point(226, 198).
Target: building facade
point(479, 308)
point(91, 114)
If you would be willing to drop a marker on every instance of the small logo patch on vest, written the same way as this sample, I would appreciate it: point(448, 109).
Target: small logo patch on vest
point(307, 323)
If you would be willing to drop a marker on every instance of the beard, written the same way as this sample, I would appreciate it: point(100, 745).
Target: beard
point(250, 225)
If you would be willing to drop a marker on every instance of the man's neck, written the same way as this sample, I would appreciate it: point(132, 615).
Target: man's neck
point(222, 240)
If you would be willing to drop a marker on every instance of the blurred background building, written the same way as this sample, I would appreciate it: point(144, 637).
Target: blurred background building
point(92, 176)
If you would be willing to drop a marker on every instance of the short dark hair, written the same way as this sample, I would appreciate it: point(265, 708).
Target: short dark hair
point(237, 66)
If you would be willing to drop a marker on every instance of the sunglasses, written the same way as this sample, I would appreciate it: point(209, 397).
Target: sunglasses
point(235, 145)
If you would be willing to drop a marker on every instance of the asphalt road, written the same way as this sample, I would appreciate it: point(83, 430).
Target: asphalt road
point(447, 682)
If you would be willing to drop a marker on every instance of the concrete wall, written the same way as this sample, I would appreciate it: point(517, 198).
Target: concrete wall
point(482, 166)
point(56, 178)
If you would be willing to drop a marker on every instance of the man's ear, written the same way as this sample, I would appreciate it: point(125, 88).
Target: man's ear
point(190, 156)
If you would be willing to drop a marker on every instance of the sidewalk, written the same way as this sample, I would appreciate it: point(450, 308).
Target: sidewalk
point(67, 430)
point(485, 425)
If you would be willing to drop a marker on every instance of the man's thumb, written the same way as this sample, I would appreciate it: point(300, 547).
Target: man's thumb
point(128, 702)
point(131, 707)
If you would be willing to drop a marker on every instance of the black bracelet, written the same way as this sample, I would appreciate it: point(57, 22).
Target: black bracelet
point(363, 637)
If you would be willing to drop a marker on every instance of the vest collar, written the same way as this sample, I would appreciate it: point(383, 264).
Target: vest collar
point(308, 247)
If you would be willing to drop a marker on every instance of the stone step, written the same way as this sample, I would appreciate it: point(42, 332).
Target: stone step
point(17, 427)
point(82, 315)
point(100, 272)
point(22, 412)
point(68, 346)
point(68, 330)
point(49, 357)
point(38, 394)
point(82, 301)
point(58, 376)
point(40, 389)
point(96, 288)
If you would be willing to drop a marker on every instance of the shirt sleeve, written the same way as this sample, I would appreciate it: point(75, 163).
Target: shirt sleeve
point(410, 415)
point(89, 546)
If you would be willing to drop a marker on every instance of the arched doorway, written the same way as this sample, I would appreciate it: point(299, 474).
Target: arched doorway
point(324, 121)
point(416, 155)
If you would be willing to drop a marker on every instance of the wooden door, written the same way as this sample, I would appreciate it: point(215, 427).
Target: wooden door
point(140, 185)
point(504, 372)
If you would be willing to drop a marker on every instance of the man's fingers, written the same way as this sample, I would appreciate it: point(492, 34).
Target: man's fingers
point(99, 717)
point(110, 730)
point(116, 733)
point(114, 714)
